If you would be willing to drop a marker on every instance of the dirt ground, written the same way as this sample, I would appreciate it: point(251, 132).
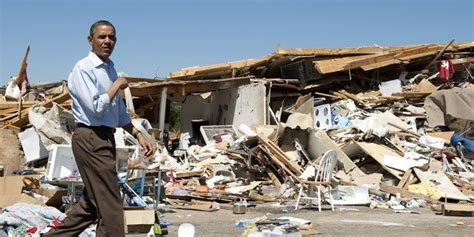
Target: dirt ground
point(11, 157)
point(344, 221)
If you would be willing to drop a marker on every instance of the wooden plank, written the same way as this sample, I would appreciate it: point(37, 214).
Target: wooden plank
point(369, 60)
point(409, 95)
point(280, 155)
point(452, 209)
point(8, 112)
point(336, 64)
point(380, 64)
point(20, 122)
point(404, 179)
point(273, 177)
point(9, 104)
point(331, 51)
point(187, 174)
point(439, 54)
point(326, 81)
point(425, 86)
point(462, 60)
point(352, 97)
point(420, 55)
point(200, 70)
point(398, 49)
point(183, 87)
point(414, 180)
point(404, 55)
point(377, 152)
point(417, 50)
point(455, 47)
point(278, 163)
point(141, 79)
point(326, 95)
point(20, 106)
point(446, 136)
point(402, 128)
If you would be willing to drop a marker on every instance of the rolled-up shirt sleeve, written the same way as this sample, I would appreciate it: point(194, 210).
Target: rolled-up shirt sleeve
point(84, 88)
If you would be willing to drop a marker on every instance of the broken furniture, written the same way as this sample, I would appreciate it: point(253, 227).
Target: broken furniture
point(323, 175)
point(156, 176)
point(62, 168)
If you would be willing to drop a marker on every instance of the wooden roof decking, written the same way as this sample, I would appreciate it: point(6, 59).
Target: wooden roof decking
point(185, 87)
point(325, 60)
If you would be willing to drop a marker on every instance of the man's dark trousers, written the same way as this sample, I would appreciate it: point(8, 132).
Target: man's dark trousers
point(95, 155)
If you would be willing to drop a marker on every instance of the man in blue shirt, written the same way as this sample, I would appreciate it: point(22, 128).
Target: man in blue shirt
point(98, 109)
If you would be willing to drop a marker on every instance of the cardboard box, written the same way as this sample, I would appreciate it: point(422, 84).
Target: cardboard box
point(446, 136)
point(10, 192)
point(138, 220)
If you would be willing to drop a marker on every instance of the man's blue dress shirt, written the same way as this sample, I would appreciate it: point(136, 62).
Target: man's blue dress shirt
point(88, 84)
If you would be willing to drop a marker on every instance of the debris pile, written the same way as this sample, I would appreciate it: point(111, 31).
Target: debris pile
point(382, 127)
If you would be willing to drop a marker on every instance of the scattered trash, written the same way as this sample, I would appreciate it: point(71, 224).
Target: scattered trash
point(260, 133)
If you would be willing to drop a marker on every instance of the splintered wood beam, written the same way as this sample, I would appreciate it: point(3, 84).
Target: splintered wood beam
point(14, 105)
point(462, 60)
point(336, 64)
point(380, 64)
point(185, 73)
point(400, 55)
point(331, 52)
point(404, 179)
point(373, 59)
point(184, 87)
point(20, 122)
point(141, 79)
point(280, 155)
point(325, 81)
point(20, 103)
point(440, 53)
point(417, 50)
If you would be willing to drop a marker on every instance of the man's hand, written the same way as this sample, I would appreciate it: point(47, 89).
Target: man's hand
point(146, 146)
point(121, 82)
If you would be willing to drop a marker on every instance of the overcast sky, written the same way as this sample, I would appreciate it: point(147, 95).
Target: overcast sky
point(158, 37)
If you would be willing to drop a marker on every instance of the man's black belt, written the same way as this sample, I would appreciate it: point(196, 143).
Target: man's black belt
point(96, 128)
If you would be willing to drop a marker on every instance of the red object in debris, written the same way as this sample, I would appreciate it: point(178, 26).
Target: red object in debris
point(171, 175)
point(32, 230)
point(55, 223)
point(217, 138)
point(445, 69)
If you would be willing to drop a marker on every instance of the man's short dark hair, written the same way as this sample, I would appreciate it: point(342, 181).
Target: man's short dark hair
point(100, 23)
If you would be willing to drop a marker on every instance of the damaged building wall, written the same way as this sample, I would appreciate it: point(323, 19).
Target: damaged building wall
point(243, 105)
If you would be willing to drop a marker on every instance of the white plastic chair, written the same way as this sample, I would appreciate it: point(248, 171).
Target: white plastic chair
point(323, 175)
